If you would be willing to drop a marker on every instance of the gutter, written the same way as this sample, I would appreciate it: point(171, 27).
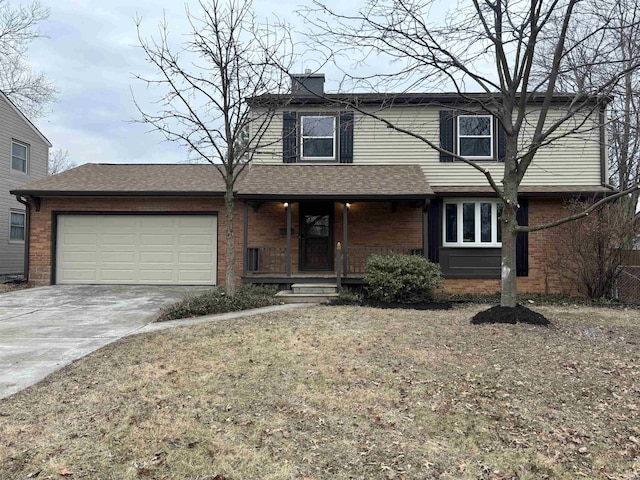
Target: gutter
point(333, 197)
point(27, 234)
point(114, 193)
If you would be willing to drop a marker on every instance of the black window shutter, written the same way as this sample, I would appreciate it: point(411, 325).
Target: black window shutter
point(502, 142)
point(434, 230)
point(346, 137)
point(446, 134)
point(522, 241)
point(289, 137)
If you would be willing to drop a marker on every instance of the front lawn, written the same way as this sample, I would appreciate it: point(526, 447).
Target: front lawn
point(343, 393)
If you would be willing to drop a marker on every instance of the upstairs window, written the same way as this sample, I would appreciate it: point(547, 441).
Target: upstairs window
point(16, 230)
point(475, 136)
point(472, 223)
point(317, 137)
point(19, 156)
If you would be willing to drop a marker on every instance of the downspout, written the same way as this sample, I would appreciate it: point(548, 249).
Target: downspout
point(27, 234)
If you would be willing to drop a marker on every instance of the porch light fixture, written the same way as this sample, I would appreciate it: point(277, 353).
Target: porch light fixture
point(286, 204)
point(348, 205)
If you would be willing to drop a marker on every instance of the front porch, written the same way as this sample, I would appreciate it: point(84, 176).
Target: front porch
point(327, 242)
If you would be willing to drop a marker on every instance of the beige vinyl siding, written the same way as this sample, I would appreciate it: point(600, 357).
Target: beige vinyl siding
point(13, 127)
point(574, 160)
point(270, 143)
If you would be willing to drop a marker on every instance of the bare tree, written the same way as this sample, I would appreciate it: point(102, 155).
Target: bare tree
point(489, 47)
point(203, 87)
point(586, 65)
point(59, 161)
point(593, 248)
point(30, 91)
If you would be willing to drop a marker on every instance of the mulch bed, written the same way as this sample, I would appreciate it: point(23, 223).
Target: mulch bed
point(13, 285)
point(517, 314)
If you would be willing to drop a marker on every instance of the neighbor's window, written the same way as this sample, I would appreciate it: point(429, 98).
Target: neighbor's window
point(19, 156)
point(318, 137)
point(475, 136)
point(16, 231)
point(472, 223)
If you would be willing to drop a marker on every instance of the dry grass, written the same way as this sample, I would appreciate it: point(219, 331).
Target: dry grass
point(343, 393)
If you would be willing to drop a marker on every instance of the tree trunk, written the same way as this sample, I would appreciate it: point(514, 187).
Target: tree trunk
point(509, 278)
point(509, 221)
point(230, 277)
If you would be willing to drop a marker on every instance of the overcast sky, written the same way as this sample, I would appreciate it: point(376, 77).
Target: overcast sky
point(90, 54)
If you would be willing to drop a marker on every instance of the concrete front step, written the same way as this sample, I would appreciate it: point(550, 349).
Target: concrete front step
point(314, 288)
point(288, 296)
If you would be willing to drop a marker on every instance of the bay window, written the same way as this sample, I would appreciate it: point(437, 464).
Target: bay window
point(472, 223)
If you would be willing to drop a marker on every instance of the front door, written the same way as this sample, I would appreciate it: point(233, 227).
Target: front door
point(316, 236)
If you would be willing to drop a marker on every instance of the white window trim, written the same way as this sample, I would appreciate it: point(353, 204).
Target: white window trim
point(490, 136)
point(495, 241)
point(332, 137)
point(28, 154)
point(24, 228)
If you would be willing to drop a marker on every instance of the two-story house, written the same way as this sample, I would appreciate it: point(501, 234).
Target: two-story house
point(24, 156)
point(327, 175)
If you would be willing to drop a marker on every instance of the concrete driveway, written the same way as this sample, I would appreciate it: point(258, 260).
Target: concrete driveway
point(43, 329)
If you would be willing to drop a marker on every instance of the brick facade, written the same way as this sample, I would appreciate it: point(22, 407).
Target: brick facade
point(543, 278)
point(41, 228)
point(372, 224)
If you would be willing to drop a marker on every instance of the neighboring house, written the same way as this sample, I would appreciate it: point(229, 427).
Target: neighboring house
point(24, 154)
point(327, 175)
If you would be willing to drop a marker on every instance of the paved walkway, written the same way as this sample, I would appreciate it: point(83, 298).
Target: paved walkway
point(43, 329)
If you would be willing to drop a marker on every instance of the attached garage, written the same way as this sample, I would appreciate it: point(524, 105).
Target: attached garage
point(170, 249)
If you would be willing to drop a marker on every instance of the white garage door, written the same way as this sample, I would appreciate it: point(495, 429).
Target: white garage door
point(130, 249)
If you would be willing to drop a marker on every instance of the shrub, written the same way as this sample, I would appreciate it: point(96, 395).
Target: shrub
point(216, 301)
point(592, 248)
point(349, 296)
point(400, 278)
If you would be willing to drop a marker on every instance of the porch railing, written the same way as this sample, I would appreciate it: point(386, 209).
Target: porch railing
point(266, 260)
point(356, 257)
point(272, 260)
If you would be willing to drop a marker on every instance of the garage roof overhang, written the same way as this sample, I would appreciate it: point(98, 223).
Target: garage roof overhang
point(110, 180)
point(114, 193)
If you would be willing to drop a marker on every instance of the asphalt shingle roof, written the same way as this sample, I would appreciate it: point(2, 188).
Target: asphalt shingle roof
point(259, 181)
point(139, 179)
point(527, 190)
point(290, 181)
point(332, 181)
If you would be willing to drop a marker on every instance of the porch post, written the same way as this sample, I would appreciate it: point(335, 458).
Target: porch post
point(425, 229)
point(288, 254)
point(245, 240)
point(339, 266)
point(345, 237)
